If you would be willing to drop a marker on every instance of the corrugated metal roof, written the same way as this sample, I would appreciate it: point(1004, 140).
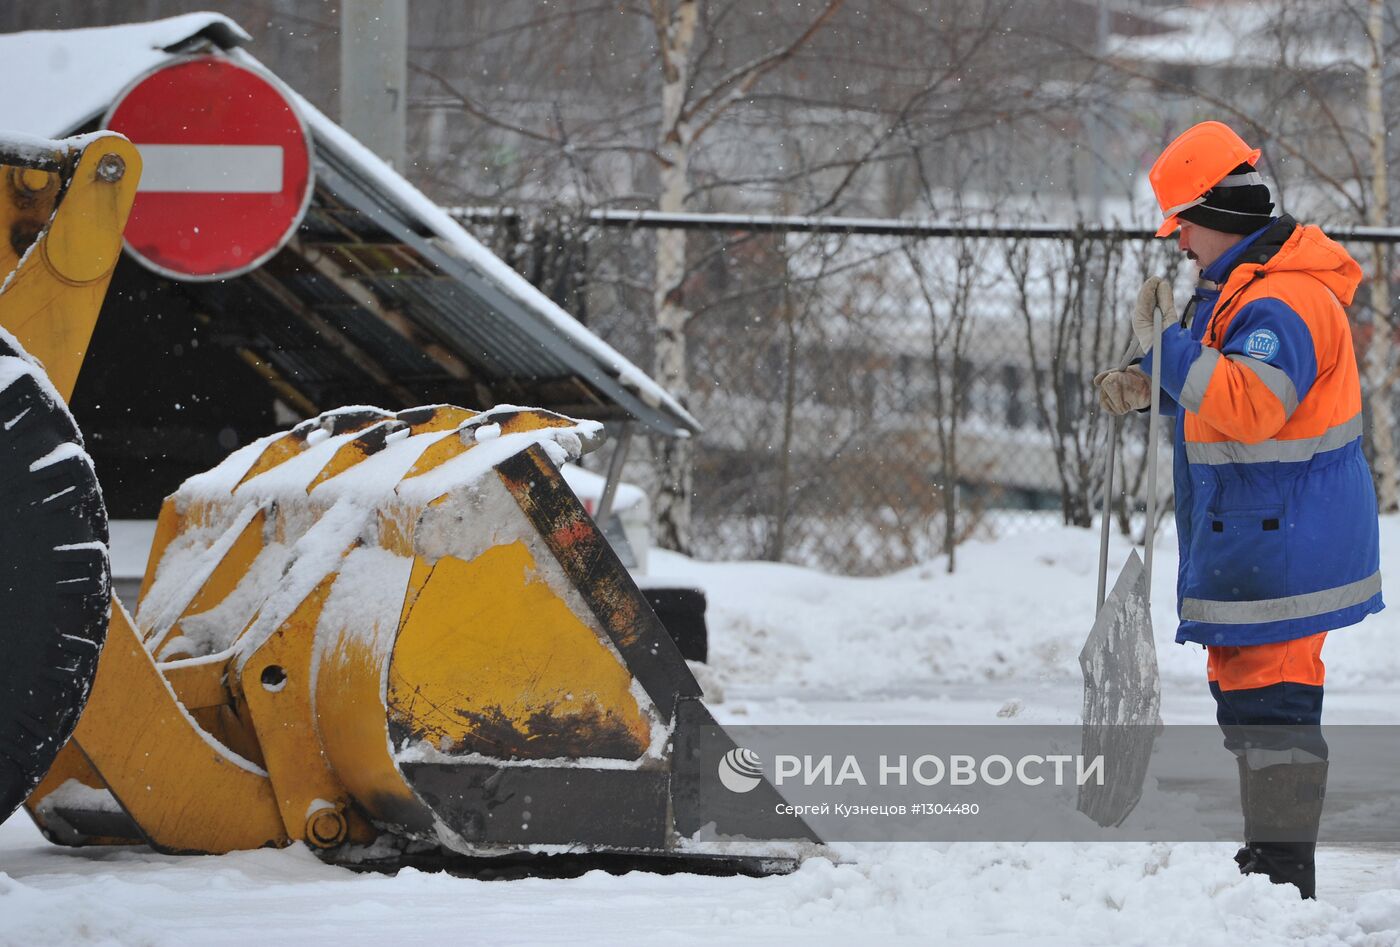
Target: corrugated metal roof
point(484, 326)
point(392, 296)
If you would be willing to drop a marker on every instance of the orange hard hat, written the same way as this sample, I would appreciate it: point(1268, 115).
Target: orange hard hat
point(1199, 159)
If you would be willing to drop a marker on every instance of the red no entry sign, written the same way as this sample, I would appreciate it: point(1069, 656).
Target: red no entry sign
point(226, 167)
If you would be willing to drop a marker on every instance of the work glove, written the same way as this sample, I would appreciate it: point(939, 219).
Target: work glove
point(1155, 292)
point(1121, 391)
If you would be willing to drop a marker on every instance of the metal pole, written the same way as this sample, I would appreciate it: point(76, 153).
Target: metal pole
point(871, 226)
point(619, 457)
point(374, 75)
point(1095, 123)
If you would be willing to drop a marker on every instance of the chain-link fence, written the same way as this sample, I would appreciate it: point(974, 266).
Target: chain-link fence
point(869, 399)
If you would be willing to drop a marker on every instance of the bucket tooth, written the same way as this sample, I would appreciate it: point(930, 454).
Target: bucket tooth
point(435, 417)
point(343, 420)
point(279, 450)
point(224, 569)
point(368, 443)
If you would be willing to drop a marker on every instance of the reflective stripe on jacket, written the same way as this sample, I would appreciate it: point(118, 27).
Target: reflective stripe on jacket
point(1275, 507)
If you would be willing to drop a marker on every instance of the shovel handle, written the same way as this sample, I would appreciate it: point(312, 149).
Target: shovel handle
point(1123, 363)
point(1103, 526)
point(1154, 424)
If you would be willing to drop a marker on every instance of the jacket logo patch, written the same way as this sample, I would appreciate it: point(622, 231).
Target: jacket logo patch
point(1261, 344)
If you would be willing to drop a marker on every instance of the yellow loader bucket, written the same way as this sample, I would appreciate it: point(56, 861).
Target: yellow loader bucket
point(399, 638)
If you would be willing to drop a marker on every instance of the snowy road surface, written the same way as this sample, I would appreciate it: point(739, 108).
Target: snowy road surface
point(996, 641)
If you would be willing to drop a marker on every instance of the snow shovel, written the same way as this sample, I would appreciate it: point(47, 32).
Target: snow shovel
point(1122, 693)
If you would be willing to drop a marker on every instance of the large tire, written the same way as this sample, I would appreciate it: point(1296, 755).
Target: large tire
point(54, 578)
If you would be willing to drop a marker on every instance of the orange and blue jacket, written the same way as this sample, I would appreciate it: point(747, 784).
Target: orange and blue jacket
point(1275, 506)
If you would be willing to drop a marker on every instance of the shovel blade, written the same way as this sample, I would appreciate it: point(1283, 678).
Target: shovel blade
point(1122, 697)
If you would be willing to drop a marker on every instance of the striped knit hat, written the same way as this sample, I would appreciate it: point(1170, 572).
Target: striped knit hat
point(1238, 204)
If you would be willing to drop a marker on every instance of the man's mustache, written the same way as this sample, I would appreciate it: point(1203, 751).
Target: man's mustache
point(1191, 255)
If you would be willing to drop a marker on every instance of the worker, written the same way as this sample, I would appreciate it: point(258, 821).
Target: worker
point(1275, 506)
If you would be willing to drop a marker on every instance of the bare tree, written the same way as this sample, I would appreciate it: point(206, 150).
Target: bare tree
point(686, 114)
point(948, 297)
point(1379, 354)
point(818, 109)
point(1064, 347)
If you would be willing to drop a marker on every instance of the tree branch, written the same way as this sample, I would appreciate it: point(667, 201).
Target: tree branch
point(661, 20)
point(476, 111)
point(747, 76)
point(1219, 103)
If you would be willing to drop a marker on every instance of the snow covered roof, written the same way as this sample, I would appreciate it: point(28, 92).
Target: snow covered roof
point(493, 319)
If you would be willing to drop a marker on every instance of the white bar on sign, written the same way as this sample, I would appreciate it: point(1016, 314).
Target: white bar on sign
point(211, 169)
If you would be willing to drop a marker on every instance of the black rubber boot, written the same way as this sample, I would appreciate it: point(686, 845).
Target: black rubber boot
point(1243, 857)
point(1282, 808)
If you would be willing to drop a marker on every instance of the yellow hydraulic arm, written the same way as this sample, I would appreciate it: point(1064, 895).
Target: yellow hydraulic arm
point(66, 203)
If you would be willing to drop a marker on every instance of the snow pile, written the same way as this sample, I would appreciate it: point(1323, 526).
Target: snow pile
point(957, 894)
point(1017, 610)
point(1010, 621)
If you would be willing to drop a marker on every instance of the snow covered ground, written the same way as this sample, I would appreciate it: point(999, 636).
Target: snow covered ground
point(997, 641)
